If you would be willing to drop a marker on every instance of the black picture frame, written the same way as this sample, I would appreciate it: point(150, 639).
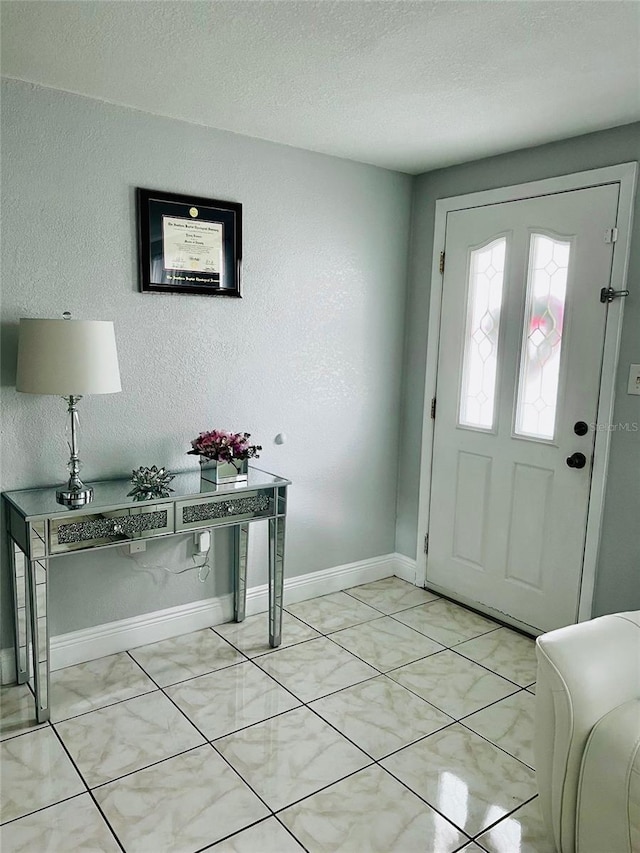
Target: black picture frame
point(188, 244)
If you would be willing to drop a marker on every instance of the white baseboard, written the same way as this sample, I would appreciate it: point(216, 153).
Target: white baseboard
point(405, 568)
point(113, 637)
point(323, 582)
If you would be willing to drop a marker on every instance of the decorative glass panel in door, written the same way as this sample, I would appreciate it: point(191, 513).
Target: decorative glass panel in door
point(542, 339)
point(484, 301)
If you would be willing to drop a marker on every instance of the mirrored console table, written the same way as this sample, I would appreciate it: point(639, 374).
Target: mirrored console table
point(39, 530)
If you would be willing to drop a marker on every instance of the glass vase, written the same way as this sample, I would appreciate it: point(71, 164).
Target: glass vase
point(219, 473)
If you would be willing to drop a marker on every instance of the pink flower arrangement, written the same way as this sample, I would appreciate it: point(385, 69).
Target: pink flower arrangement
point(224, 446)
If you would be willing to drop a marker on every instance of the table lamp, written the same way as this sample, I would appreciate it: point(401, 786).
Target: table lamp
point(69, 358)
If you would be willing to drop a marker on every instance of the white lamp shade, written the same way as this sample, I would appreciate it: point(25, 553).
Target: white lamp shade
point(67, 357)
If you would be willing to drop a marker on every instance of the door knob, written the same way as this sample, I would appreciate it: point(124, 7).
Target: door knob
point(576, 460)
point(581, 428)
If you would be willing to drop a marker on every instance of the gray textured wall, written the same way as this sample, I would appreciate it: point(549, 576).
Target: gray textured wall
point(314, 348)
point(618, 579)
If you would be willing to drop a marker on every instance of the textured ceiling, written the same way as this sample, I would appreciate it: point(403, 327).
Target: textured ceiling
point(406, 85)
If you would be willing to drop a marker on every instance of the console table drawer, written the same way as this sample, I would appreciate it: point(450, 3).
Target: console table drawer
point(122, 525)
point(225, 509)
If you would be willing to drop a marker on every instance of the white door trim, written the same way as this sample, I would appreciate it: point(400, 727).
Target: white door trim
point(626, 175)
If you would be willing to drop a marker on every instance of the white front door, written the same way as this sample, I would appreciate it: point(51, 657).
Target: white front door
point(519, 363)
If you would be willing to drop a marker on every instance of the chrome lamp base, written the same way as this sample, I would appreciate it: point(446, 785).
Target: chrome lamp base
point(75, 497)
point(75, 493)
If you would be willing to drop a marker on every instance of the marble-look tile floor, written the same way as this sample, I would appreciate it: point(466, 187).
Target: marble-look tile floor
point(389, 721)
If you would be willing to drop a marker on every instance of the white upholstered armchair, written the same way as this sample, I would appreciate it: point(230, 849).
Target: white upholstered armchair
point(587, 739)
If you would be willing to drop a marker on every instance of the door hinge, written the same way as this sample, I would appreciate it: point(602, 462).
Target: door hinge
point(611, 235)
point(433, 408)
point(441, 267)
point(426, 543)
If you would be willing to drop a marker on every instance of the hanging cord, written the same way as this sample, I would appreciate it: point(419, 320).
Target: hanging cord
point(202, 576)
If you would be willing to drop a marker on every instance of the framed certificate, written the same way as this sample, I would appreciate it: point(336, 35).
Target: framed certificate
point(188, 244)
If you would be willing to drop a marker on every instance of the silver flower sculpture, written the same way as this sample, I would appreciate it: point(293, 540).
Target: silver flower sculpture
point(150, 483)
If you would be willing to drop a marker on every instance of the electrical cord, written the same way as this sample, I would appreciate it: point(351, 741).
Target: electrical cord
point(202, 576)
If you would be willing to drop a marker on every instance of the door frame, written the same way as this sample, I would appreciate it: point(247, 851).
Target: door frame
point(624, 174)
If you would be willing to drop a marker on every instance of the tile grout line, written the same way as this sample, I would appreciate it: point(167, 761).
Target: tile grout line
point(373, 761)
point(206, 740)
point(387, 674)
point(328, 636)
point(102, 707)
point(504, 817)
point(484, 666)
point(211, 742)
point(39, 727)
point(44, 808)
point(231, 835)
point(376, 762)
point(89, 791)
point(519, 688)
point(306, 704)
point(207, 743)
point(295, 838)
point(497, 746)
point(156, 686)
point(401, 610)
point(476, 637)
point(272, 816)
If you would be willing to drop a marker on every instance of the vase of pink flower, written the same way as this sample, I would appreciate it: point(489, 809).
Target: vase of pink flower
point(224, 456)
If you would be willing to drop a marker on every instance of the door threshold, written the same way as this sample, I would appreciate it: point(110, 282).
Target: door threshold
point(484, 610)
